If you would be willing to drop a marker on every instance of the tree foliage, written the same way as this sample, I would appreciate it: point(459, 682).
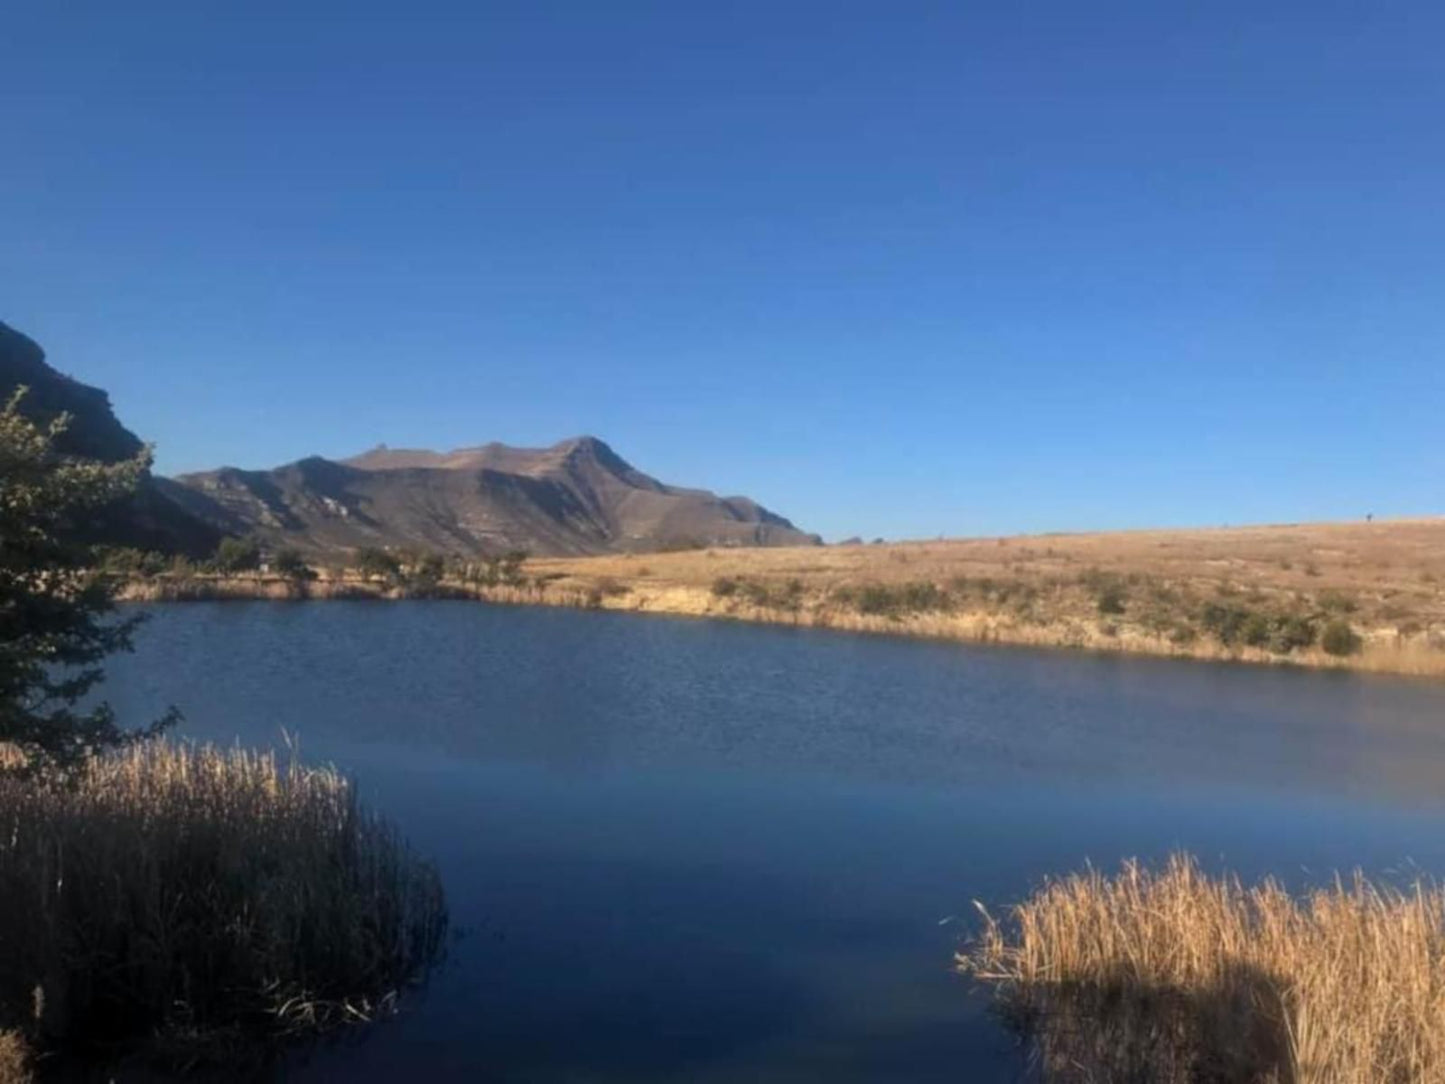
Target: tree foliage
point(374, 564)
point(238, 555)
point(53, 608)
point(291, 564)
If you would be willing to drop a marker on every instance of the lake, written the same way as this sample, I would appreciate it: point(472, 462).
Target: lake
point(686, 850)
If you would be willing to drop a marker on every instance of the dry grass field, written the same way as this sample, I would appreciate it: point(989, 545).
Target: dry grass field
point(1367, 596)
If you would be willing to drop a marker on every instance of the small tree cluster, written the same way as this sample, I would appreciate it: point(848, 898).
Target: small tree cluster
point(377, 564)
point(503, 569)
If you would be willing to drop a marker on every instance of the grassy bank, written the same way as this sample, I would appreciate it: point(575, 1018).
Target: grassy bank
point(1353, 596)
point(1367, 597)
point(172, 903)
point(1175, 977)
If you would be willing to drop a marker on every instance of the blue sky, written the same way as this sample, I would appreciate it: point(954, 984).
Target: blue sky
point(900, 269)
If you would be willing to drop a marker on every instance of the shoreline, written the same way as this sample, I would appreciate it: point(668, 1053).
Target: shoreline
point(1379, 653)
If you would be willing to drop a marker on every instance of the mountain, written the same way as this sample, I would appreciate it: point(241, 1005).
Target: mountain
point(152, 519)
point(577, 497)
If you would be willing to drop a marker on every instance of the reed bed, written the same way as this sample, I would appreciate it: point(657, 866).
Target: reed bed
point(1173, 976)
point(179, 901)
point(15, 1063)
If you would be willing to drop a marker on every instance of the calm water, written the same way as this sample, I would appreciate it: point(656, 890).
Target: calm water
point(681, 850)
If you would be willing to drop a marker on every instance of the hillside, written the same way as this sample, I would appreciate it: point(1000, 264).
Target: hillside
point(152, 519)
point(577, 497)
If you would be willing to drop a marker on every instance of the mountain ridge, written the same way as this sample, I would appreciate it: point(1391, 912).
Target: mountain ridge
point(572, 498)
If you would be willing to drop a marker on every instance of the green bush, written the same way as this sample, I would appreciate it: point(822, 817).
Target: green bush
point(238, 555)
point(1224, 622)
point(1338, 638)
point(126, 561)
point(427, 571)
point(290, 564)
point(1234, 625)
point(1112, 599)
point(374, 563)
point(1291, 633)
point(1337, 603)
point(1255, 630)
point(1111, 595)
point(895, 600)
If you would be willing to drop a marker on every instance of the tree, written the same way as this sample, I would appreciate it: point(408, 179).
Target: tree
point(290, 564)
point(375, 563)
point(53, 632)
point(238, 555)
point(427, 572)
point(509, 566)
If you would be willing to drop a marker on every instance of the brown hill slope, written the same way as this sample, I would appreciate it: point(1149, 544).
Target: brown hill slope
point(577, 497)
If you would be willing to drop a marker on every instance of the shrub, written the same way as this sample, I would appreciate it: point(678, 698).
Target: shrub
point(1182, 635)
point(505, 568)
point(772, 596)
point(125, 561)
point(509, 566)
point(724, 587)
point(290, 564)
point(427, 572)
point(1338, 638)
point(1224, 622)
point(1255, 630)
point(1108, 589)
point(1112, 600)
point(238, 555)
point(894, 600)
point(171, 891)
point(1233, 625)
point(376, 564)
point(1290, 633)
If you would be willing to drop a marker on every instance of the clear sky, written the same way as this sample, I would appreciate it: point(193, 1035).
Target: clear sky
point(892, 268)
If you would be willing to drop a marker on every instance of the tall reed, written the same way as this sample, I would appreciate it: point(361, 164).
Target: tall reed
point(1175, 976)
point(190, 894)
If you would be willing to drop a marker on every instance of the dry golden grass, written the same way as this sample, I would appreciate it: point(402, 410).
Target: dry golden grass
point(14, 1059)
point(1386, 580)
point(185, 900)
point(1175, 977)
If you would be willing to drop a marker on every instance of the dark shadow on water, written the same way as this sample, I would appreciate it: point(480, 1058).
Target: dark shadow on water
point(1232, 1032)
